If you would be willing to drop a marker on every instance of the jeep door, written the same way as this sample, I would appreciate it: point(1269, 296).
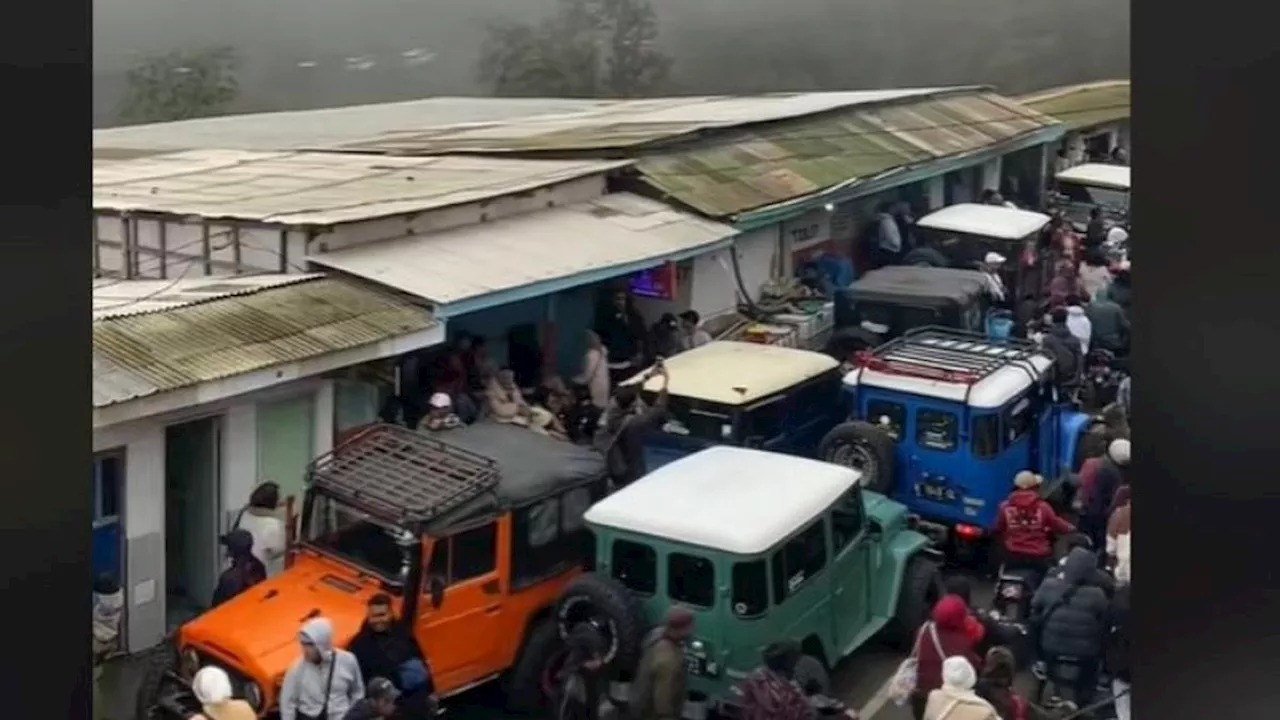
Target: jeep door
point(462, 637)
point(936, 462)
point(850, 572)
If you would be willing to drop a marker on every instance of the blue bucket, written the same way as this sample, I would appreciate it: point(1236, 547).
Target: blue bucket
point(999, 325)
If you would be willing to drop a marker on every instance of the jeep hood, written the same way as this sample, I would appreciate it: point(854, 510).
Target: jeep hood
point(257, 631)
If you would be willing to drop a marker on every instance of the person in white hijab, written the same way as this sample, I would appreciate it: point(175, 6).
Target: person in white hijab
point(1078, 323)
point(212, 688)
point(991, 265)
point(956, 700)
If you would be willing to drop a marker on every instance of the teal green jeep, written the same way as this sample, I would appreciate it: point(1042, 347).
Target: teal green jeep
point(761, 547)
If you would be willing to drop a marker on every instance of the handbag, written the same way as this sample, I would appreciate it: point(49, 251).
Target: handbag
point(904, 680)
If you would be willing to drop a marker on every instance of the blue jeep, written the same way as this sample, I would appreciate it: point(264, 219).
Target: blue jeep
point(943, 419)
point(745, 394)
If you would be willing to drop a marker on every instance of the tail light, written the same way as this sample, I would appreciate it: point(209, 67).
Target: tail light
point(968, 532)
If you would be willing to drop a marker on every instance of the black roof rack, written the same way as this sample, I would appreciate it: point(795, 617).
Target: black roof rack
point(950, 355)
point(403, 475)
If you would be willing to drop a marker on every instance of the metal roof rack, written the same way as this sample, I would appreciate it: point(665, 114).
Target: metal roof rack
point(402, 475)
point(949, 355)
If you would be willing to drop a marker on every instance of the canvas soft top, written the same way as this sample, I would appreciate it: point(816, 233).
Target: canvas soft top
point(912, 285)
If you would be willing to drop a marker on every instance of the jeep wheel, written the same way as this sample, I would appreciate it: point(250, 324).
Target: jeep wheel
point(616, 615)
point(926, 257)
point(921, 588)
point(157, 681)
point(863, 447)
point(531, 683)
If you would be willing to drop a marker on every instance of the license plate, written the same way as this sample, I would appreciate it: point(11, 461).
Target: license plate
point(933, 491)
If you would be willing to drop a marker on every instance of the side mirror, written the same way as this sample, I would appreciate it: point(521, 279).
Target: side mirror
point(435, 589)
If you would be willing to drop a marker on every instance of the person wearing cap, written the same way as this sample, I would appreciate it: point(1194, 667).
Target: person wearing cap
point(440, 414)
point(379, 701)
point(245, 570)
point(955, 699)
point(385, 647)
point(1108, 478)
point(991, 264)
point(658, 691)
point(212, 688)
point(1026, 525)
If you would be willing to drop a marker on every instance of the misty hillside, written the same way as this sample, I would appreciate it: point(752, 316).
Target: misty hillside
point(316, 53)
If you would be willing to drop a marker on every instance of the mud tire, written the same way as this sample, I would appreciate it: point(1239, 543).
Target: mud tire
point(921, 588)
point(526, 684)
point(926, 257)
point(157, 663)
point(875, 446)
point(596, 598)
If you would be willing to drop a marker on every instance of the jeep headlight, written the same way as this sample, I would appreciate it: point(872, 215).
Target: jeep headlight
point(253, 695)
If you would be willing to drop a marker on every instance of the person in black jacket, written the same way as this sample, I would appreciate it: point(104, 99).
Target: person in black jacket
point(623, 332)
point(245, 571)
point(385, 648)
point(1069, 616)
point(1109, 478)
point(379, 701)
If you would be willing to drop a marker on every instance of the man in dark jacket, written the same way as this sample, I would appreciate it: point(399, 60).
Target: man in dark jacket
point(245, 571)
point(623, 331)
point(622, 428)
point(1108, 478)
point(1109, 324)
point(385, 649)
point(658, 691)
point(1068, 356)
point(1069, 615)
point(379, 701)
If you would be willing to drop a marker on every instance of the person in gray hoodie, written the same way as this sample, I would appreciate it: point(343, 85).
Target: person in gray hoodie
point(325, 682)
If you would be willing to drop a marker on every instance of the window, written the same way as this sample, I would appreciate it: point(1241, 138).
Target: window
point(696, 419)
point(343, 530)
point(750, 589)
point(475, 553)
point(846, 519)
point(635, 566)
point(897, 415)
point(800, 559)
point(549, 535)
point(816, 398)
point(576, 503)
point(108, 474)
point(764, 422)
point(544, 523)
point(986, 435)
point(691, 579)
point(1017, 420)
point(936, 430)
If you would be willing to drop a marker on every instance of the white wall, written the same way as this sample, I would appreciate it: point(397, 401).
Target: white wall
point(715, 289)
point(144, 488)
point(175, 247)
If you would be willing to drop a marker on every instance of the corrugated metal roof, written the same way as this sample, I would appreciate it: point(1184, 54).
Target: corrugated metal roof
point(301, 129)
point(314, 188)
point(119, 298)
point(608, 232)
point(625, 123)
point(140, 355)
point(1083, 106)
point(755, 168)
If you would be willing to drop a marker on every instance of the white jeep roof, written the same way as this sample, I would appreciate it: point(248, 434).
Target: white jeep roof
point(717, 371)
point(1115, 177)
point(993, 221)
point(992, 391)
point(726, 498)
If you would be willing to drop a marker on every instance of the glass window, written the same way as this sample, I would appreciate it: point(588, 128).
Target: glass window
point(108, 474)
point(691, 579)
point(800, 559)
point(936, 430)
point(817, 397)
point(475, 553)
point(764, 422)
point(439, 565)
point(750, 589)
point(345, 531)
point(576, 503)
point(986, 435)
point(846, 519)
point(544, 522)
point(897, 415)
point(635, 566)
point(1017, 421)
point(696, 419)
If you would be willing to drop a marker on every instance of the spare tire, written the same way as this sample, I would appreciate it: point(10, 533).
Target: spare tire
point(926, 257)
point(616, 614)
point(865, 447)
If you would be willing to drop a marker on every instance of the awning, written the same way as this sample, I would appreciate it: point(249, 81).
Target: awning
point(493, 263)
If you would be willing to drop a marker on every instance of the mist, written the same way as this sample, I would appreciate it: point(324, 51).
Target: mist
point(297, 54)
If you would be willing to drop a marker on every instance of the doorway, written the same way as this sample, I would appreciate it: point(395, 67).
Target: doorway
point(192, 508)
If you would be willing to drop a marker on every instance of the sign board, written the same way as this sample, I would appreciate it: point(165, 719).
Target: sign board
point(660, 283)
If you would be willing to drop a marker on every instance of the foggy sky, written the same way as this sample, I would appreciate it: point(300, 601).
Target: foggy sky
point(719, 46)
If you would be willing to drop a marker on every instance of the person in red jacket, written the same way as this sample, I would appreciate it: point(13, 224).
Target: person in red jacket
point(1026, 525)
point(947, 634)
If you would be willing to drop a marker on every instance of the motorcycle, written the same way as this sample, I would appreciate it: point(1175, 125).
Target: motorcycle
point(1013, 591)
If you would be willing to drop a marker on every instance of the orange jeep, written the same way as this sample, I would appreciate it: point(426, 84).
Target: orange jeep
point(475, 533)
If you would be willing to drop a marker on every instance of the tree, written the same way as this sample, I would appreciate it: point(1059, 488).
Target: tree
point(589, 48)
point(180, 85)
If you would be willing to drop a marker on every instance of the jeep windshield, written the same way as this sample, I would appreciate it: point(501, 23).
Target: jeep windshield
point(340, 530)
point(1080, 198)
